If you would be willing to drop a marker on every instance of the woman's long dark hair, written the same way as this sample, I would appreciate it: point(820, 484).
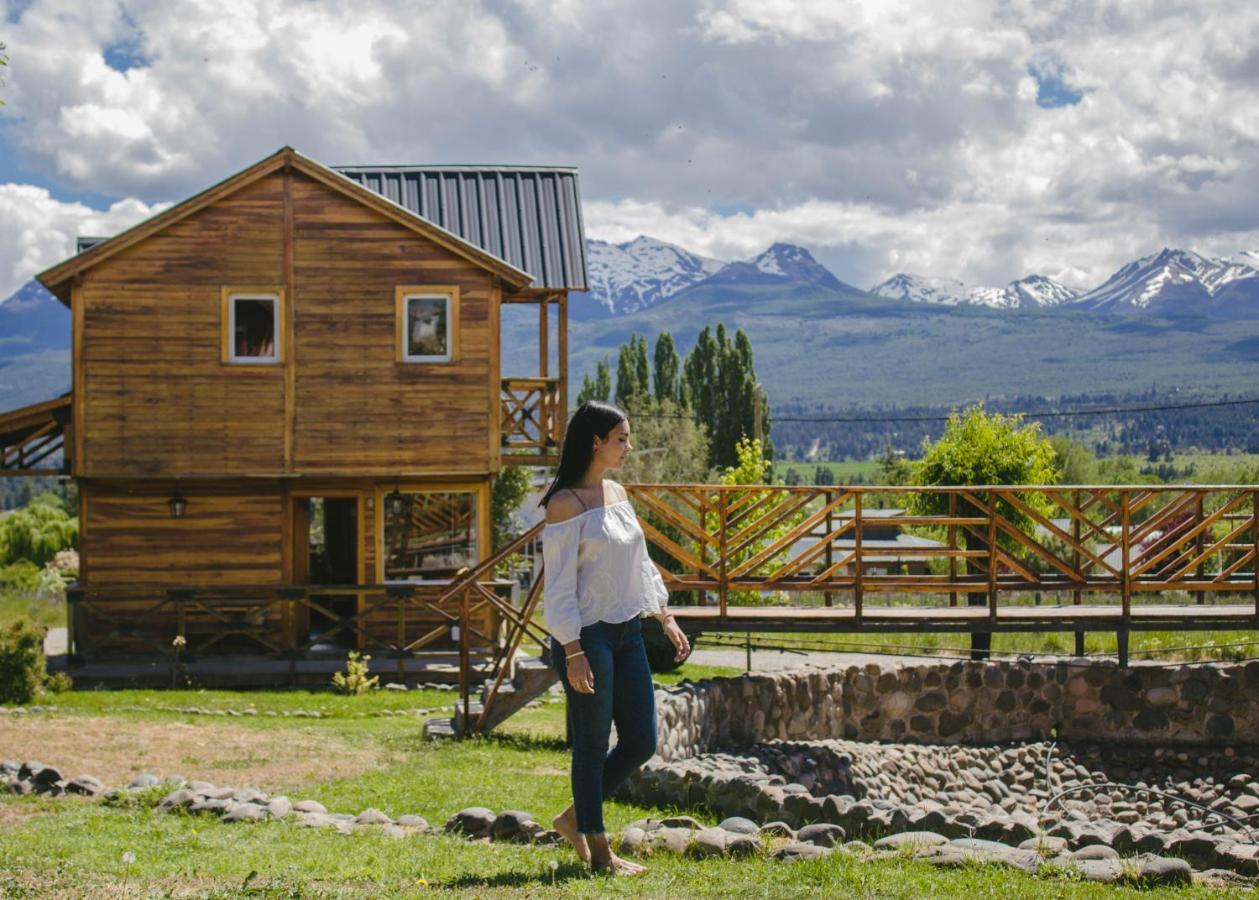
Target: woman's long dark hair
point(592, 418)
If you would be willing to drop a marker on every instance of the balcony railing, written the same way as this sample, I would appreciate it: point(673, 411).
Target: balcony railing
point(532, 420)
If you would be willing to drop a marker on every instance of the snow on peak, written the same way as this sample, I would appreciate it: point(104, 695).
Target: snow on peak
point(1033, 291)
point(1172, 281)
point(787, 261)
point(640, 273)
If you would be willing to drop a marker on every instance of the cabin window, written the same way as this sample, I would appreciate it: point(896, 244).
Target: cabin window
point(427, 324)
point(252, 327)
point(429, 534)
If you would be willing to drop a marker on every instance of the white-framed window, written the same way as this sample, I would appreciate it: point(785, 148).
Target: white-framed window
point(428, 324)
point(253, 327)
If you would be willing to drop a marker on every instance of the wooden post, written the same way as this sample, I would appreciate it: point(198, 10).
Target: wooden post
point(1199, 544)
point(1254, 535)
point(858, 569)
point(992, 556)
point(1125, 522)
point(952, 532)
point(74, 599)
point(464, 663)
point(561, 414)
point(828, 497)
point(1121, 642)
point(722, 562)
point(1077, 596)
point(402, 637)
point(544, 334)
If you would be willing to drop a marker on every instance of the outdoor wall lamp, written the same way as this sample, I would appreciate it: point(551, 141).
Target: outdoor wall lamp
point(177, 504)
point(395, 501)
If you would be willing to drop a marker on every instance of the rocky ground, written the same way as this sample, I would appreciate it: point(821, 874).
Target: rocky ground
point(824, 766)
point(1201, 805)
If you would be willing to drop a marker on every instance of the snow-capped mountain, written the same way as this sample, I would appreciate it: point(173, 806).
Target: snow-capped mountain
point(785, 263)
point(1034, 291)
point(1180, 282)
point(627, 277)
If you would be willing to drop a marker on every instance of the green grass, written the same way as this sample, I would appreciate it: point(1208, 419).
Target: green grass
point(14, 604)
point(73, 847)
point(76, 848)
point(1159, 646)
point(846, 471)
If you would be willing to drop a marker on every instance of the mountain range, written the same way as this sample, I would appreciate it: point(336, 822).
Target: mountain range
point(639, 274)
point(1175, 319)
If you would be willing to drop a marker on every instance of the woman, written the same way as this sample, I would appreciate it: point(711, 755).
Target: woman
point(599, 582)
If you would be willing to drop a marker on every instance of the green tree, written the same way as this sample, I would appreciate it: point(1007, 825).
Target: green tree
point(822, 475)
point(511, 486)
point(978, 449)
point(894, 468)
point(752, 468)
point(665, 376)
point(720, 386)
point(38, 531)
point(1074, 462)
point(599, 388)
point(669, 447)
point(699, 377)
point(633, 373)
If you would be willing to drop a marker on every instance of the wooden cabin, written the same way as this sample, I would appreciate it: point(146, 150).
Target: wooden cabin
point(287, 405)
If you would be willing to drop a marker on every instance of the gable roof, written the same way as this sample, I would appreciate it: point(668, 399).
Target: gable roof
point(528, 216)
point(56, 279)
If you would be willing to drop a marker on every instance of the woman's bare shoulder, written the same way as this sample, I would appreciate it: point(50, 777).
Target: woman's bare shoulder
point(617, 492)
point(562, 507)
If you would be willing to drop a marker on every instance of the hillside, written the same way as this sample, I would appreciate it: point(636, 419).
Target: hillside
point(818, 346)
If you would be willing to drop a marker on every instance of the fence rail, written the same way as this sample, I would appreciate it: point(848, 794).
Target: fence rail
point(1128, 540)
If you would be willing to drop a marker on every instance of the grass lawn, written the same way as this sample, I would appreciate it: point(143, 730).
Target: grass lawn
point(72, 847)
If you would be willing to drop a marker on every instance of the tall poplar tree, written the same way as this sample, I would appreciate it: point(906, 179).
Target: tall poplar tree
point(666, 368)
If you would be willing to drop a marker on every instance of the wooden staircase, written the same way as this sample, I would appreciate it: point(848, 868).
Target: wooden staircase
point(531, 678)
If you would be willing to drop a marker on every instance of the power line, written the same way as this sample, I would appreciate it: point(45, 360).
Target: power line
point(1059, 414)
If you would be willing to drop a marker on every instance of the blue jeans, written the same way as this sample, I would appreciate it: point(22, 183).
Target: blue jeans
point(624, 695)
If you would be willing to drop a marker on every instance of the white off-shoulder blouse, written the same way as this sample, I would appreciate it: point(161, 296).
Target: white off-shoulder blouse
point(596, 569)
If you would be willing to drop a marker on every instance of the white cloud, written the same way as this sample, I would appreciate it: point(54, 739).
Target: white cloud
point(38, 231)
point(897, 132)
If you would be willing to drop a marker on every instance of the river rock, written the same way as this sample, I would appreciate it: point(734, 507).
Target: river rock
point(797, 851)
point(473, 821)
point(372, 816)
point(739, 825)
point(910, 839)
point(709, 842)
point(823, 834)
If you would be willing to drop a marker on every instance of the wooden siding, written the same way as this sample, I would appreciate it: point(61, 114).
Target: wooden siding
point(357, 407)
point(230, 534)
point(154, 399)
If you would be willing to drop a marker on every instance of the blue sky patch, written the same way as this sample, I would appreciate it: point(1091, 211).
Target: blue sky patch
point(1052, 89)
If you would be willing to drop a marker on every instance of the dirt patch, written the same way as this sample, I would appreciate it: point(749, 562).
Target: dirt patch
point(116, 750)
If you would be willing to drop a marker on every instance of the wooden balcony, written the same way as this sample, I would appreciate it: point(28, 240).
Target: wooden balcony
point(532, 424)
point(33, 436)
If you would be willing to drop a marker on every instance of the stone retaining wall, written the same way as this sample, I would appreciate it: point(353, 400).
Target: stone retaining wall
point(967, 703)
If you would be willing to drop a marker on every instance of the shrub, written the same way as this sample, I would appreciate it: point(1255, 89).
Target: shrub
point(22, 668)
point(354, 680)
point(22, 575)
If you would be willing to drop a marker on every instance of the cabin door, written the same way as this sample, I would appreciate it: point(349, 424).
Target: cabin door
point(326, 555)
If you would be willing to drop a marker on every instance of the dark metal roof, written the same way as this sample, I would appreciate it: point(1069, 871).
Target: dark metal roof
point(528, 217)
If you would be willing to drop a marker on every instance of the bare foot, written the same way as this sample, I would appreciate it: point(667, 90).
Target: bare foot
point(566, 824)
point(614, 865)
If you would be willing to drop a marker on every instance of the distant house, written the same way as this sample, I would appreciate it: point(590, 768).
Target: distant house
point(885, 549)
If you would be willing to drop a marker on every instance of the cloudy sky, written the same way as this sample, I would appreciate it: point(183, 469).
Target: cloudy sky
point(974, 139)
